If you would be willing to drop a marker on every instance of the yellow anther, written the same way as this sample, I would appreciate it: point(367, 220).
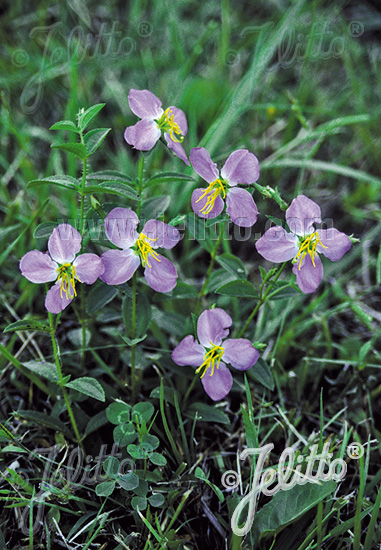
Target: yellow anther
point(309, 246)
point(68, 275)
point(167, 124)
point(212, 359)
point(145, 248)
point(215, 189)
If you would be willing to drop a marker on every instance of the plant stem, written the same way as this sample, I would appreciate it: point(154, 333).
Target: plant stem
point(136, 379)
point(61, 382)
point(82, 232)
point(262, 299)
point(209, 272)
point(189, 390)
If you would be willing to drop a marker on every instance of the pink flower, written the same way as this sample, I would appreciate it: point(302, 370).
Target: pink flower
point(136, 248)
point(304, 243)
point(63, 265)
point(240, 167)
point(154, 120)
point(212, 327)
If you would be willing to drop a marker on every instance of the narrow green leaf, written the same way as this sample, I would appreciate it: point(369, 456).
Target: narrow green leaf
point(88, 386)
point(143, 315)
point(99, 296)
point(206, 413)
point(77, 149)
point(86, 116)
point(27, 324)
point(94, 138)
point(232, 264)
point(158, 459)
point(46, 370)
point(168, 177)
point(261, 372)
point(65, 125)
point(239, 288)
point(109, 175)
point(67, 182)
point(45, 420)
point(112, 188)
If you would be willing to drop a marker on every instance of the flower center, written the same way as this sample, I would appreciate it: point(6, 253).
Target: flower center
point(144, 248)
point(167, 124)
point(67, 275)
point(213, 191)
point(308, 246)
point(211, 359)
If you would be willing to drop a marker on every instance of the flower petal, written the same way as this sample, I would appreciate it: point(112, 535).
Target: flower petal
point(276, 245)
point(161, 276)
point(188, 352)
point(212, 326)
point(177, 149)
point(54, 302)
point(241, 167)
point(198, 205)
point(119, 266)
point(302, 214)
point(88, 267)
point(240, 353)
point(203, 164)
point(218, 385)
point(241, 208)
point(180, 118)
point(120, 225)
point(163, 235)
point(308, 277)
point(143, 135)
point(38, 267)
point(64, 243)
point(336, 243)
point(144, 104)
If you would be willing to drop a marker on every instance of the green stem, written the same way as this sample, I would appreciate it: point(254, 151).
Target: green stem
point(189, 390)
point(82, 232)
point(61, 382)
point(262, 299)
point(209, 272)
point(136, 380)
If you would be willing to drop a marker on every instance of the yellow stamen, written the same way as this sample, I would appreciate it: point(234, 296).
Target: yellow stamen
point(68, 275)
point(145, 248)
point(167, 124)
point(309, 246)
point(212, 359)
point(213, 191)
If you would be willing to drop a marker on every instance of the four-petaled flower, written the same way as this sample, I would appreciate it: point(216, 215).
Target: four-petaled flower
point(211, 353)
point(145, 133)
point(63, 265)
point(304, 243)
point(240, 167)
point(136, 248)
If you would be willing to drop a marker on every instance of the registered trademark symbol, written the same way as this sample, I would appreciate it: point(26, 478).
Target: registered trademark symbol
point(356, 29)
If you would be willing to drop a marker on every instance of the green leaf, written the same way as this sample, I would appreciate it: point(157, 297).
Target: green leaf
point(118, 412)
point(239, 288)
point(43, 232)
point(138, 451)
point(27, 324)
point(200, 474)
point(143, 315)
point(86, 116)
point(66, 182)
point(202, 234)
point(261, 372)
point(282, 290)
point(88, 386)
point(96, 422)
point(144, 411)
point(109, 175)
point(94, 138)
point(111, 466)
point(124, 434)
point(151, 440)
point(232, 264)
point(45, 420)
point(99, 296)
point(129, 482)
point(105, 489)
point(158, 459)
point(286, 507)
point(75, 337)
point(155, 207)
point(112, 188)
point(139, 503)
point(77, 149)
point(157, 499)
point(168, 177)
point(65, 125)
point(46, 370)
point(206, 413)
